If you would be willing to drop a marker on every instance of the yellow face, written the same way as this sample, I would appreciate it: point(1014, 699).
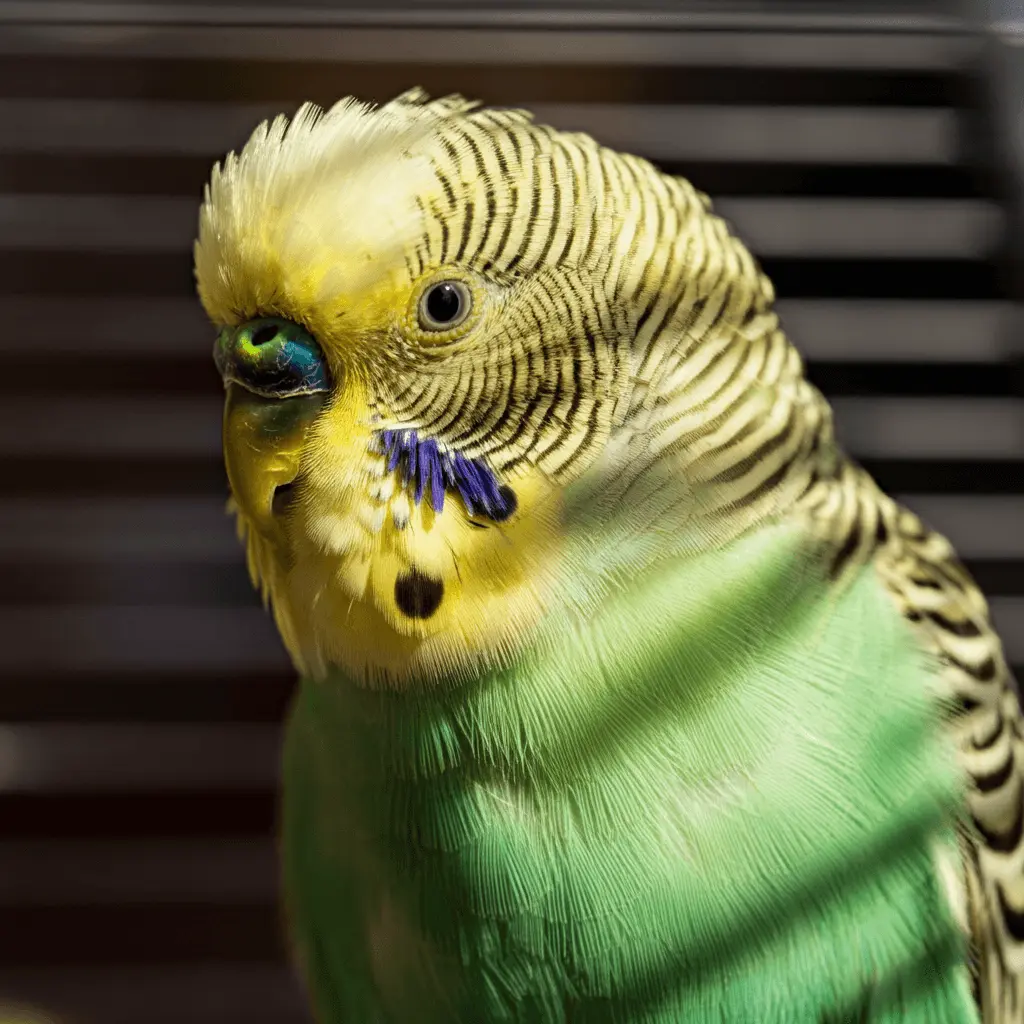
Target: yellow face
point(402, 415)
point(385, 550)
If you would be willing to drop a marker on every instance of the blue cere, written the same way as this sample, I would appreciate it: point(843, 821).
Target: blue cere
point(272, 357)
point(422, 463)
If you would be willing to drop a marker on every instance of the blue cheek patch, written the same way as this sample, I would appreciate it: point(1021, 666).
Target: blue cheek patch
point(421, 463)
point(271, 357)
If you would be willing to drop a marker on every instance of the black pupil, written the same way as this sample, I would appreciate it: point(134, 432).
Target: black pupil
point(443, 303)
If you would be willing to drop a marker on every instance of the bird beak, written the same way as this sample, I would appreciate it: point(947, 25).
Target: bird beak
point(263, 443)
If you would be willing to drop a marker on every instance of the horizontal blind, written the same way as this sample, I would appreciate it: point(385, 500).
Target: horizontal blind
point(141, 684)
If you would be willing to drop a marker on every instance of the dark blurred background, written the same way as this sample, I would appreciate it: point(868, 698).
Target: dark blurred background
point(869, 153)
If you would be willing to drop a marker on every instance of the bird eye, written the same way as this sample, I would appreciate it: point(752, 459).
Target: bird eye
point(444, 306)
point(271, 357)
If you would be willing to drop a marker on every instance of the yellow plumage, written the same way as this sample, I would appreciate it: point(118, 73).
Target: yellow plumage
point(314, 222)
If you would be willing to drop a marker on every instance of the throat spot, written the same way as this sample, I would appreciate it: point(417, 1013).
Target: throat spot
point(417, 595)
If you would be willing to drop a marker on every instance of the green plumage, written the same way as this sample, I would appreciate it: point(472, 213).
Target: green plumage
point(717, 799)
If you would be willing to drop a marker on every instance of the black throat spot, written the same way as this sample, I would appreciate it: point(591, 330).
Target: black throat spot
point(418, 596)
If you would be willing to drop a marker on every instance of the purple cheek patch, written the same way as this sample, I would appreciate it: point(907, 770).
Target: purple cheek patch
point(420, 462)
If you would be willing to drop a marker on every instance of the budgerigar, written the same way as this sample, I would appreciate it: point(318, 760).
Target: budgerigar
point(625, 695)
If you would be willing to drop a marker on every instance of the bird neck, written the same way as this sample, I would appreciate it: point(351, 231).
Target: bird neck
point(726, 751)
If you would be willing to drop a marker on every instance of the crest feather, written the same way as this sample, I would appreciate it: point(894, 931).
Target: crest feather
point(312, 204)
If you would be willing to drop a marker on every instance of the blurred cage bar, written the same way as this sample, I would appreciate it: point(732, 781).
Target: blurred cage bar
point(871, 155)
point(1003, 62)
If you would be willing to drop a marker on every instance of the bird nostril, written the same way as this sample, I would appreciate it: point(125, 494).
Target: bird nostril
point(283, 497)
point(264, 334)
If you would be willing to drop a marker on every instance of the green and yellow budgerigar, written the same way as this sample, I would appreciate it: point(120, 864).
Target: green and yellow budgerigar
point(625, 695)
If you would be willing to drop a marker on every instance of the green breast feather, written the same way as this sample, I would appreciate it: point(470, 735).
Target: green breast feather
point(717, 800)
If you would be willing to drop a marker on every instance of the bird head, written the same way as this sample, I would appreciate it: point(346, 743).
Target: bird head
point(430, 327)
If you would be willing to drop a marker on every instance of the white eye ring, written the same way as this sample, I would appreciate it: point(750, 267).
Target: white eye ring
point(444, 306)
